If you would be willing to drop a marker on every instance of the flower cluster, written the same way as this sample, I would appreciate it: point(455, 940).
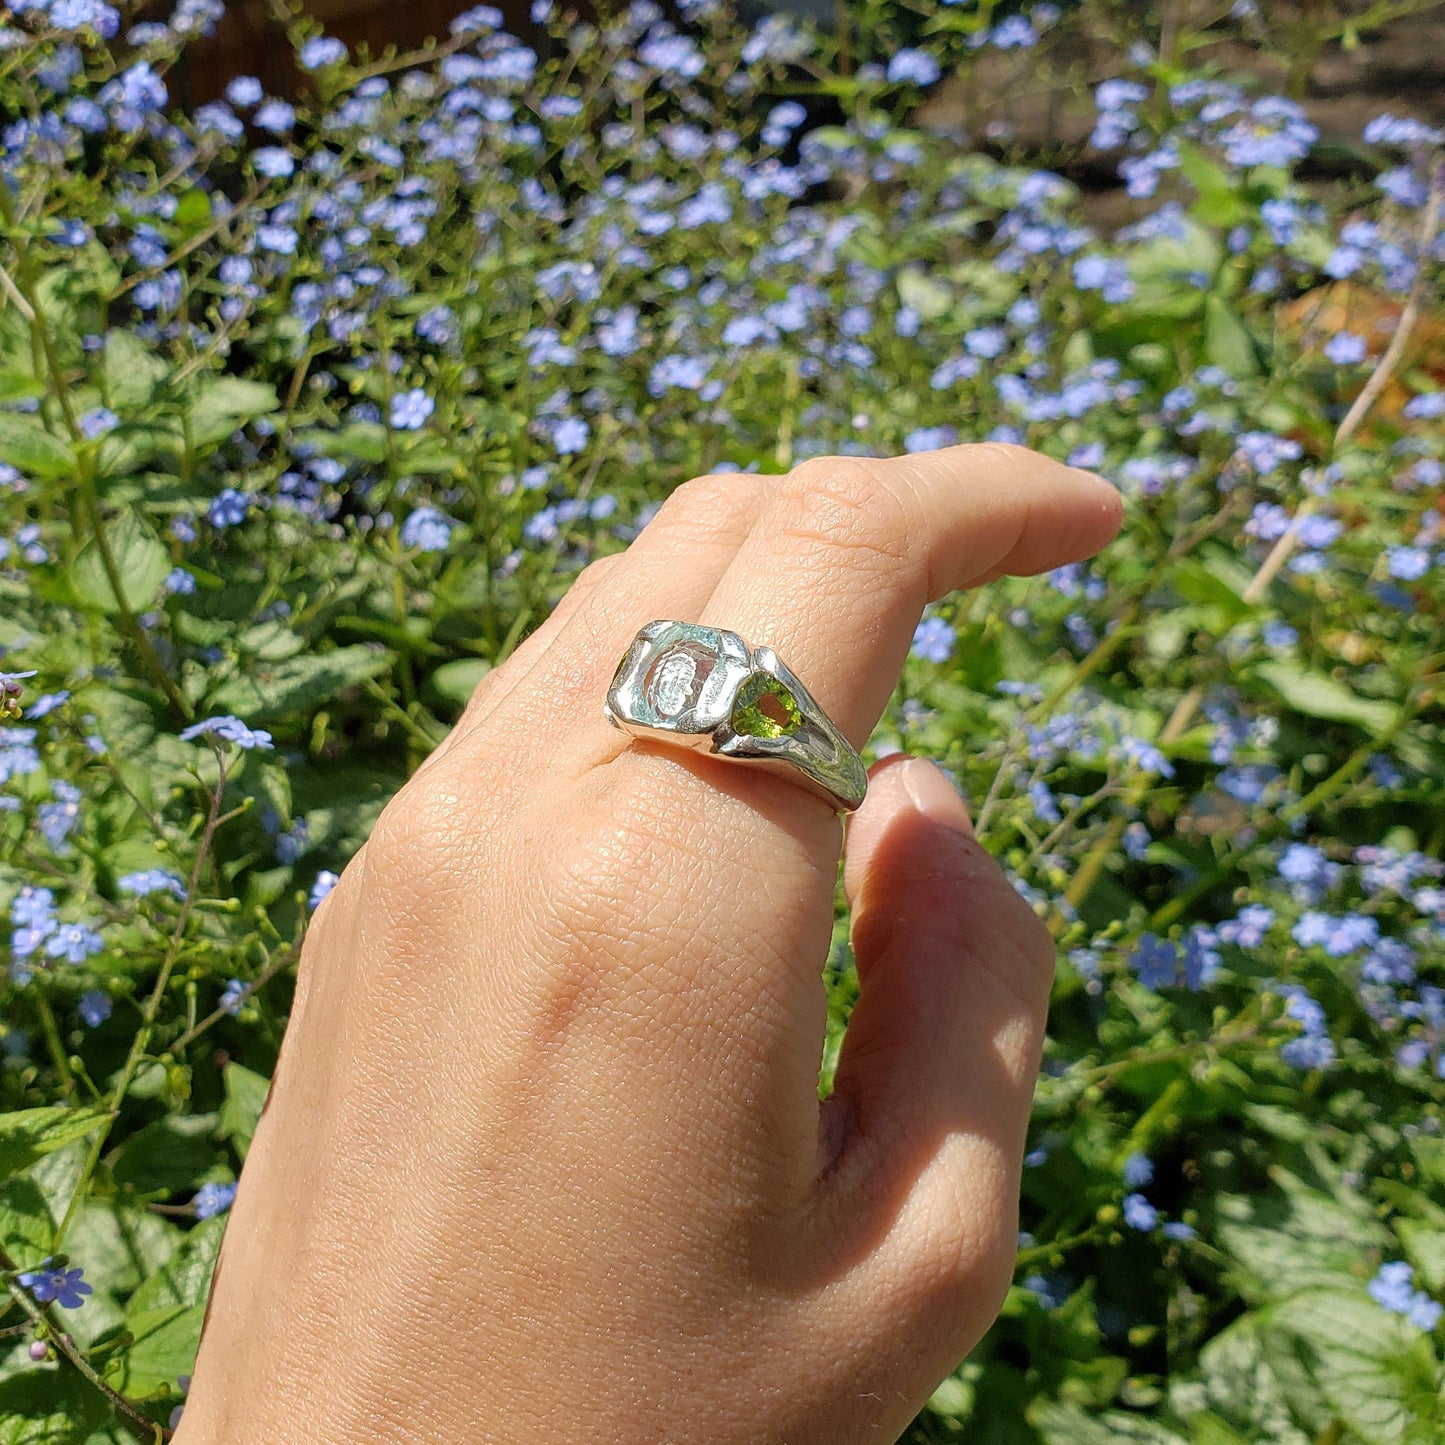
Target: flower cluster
point(327, 398)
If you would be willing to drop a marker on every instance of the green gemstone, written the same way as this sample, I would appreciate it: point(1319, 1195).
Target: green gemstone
point(764, 708)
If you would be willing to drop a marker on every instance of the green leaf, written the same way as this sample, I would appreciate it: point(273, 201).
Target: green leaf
point(50, 1406)
point(120, 1244)
point(185, 1279)
point(359, 442)
point(1194, 580)
point(1243, 1390)
point(926, 294)
point(1227, 341)
point(245, 1099)
point(26, 445)
point(27, 1134)
point(26, 1224)
point(1317, 695)
point(170, 1155)
point(132, 371)
point(193, 212)
point(297, 684)
point(1375, 1371)
point(15, 384)
point(1426, 1250)
point(140, 558)
point(455, 682)
point(1060, 1424)
point(226, 403)
point(1295, 1238)
point(164, 1348)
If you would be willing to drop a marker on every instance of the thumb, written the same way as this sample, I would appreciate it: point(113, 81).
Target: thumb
point(937, 1069)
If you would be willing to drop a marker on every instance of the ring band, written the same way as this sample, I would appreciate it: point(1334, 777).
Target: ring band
point(682, 683)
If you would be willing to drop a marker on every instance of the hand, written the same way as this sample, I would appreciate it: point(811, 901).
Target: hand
point(544, 1159)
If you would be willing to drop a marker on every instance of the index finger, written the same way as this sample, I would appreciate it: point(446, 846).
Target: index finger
point(845, 554)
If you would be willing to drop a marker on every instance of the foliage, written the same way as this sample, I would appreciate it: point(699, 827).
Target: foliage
point(309, 416)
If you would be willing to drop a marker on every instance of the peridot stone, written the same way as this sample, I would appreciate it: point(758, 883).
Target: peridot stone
point(764, 708)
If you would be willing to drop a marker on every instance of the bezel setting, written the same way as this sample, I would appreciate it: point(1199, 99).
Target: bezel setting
point(681, 682)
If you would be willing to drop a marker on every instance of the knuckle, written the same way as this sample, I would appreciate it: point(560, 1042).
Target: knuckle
point(597, 571)
point(1005, 457)
point(431, 818)
point(604, 876)
point(705, 505)
point(1019, 952)
point(851, 508)
point(967, 1238)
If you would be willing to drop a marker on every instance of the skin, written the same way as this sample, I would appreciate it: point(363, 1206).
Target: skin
point(544, 1158)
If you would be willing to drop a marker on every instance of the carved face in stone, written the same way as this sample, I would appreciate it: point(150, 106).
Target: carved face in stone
point(675, 681)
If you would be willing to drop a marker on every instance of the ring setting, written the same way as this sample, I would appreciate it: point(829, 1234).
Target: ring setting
point(705, 687)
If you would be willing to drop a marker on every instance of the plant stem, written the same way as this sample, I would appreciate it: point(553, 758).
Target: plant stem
point(42, 1318)
point(274, 967)
point(141, 1042)
point(85, 477)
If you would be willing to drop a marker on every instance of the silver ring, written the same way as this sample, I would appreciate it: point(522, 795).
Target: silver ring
point(702, 686)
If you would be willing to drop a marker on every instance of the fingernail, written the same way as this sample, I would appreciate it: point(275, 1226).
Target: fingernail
point(934, 795)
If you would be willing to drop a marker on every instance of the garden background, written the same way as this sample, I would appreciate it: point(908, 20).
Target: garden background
point(313, 404)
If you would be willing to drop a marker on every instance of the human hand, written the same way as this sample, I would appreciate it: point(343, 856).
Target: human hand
point(544, 1158)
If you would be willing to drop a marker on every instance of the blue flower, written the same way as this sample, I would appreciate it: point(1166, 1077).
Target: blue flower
point(46, 704)
point(229, 509)
point(291, 844)
point(325, 882)
point(930, 438)
point(244, 91)
point(321, 51)
point(1346, 348)
point(1264, 451)
point(233, 996)
point(57, 819)
point(228, 729)
point(1425, 407)
point(1337, 936)
point(1014, 33)
point(1393, 1289)
point(1156, 961)
point(437, 326)
point(75, 942)
point(1389, 130)
point(96, 423)
point(213, 1199)
point(275, 116)
point(914, 67)
point(934, 639)
point(1409, 564)
point(1138, 1171)
point(1146, 757)
point(672, 54)
point(410, 410)
point(1310, 874)
point(1139, 1213)
point(273, 161)
point(569, 435)
point(1104, 274)
point(94, 1008)
point(1275, 133)
point(1202, 960)
point(149, 881)
point(427, 529)
point(65, 1287)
